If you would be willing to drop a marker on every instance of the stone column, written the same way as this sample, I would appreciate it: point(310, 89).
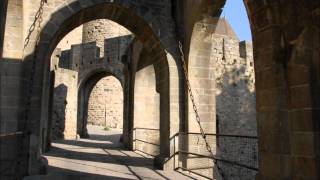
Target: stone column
point(11, 87)
point(65, 104)
point(202, 80)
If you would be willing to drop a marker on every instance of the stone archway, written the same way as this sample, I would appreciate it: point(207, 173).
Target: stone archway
point(56, 28)
point(84, 90)
point(105, 107)
point(286, 98)
point(286, 55)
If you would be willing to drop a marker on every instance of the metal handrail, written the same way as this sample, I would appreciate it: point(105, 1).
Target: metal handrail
point(215, 157)
point(13, 134)
point(143, 141)
point(222, 160)
point(150, 129)
point(220, 135)
point(198, 174)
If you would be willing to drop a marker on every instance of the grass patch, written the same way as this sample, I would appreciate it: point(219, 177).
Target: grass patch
point(106, 128)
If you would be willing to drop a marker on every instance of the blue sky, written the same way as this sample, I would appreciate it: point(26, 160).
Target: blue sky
point(236, 14)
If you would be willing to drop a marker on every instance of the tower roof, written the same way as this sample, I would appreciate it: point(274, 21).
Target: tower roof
point(224, 28)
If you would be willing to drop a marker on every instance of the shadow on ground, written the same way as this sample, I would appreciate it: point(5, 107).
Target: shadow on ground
point(102, 156)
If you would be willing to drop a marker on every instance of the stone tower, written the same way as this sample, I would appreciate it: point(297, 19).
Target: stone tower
point(235, 95)
point(234, 74)
point(223, 86)
point(101, 29)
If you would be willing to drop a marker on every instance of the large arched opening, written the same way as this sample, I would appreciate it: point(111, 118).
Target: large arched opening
point(275, 64)
point(285, 35)
point(95, 103)
point(105, 105)
point(56, 28)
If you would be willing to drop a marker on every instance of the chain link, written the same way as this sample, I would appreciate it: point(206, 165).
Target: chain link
point(38, 18)
point(195, 109)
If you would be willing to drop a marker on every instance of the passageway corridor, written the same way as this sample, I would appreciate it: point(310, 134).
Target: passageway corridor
point(99, 157)
point(187, 89)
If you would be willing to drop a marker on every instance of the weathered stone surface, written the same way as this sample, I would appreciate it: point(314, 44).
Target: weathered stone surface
point(106, 103)
point(286, 52)
point(221, 73)
point(146, 113)
point(98, 30)
point(64, 113)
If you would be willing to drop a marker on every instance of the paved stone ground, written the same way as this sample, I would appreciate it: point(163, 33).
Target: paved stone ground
point(100, 157)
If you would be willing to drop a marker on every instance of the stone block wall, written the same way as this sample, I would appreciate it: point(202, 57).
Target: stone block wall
point(221, 74)
point(101, 29)
point(235, 91)
point(155, 17)
point(106, 103)
point(11, 66)
point(64, 115)
point(235, 105)
point(286, 45)
point(116, 47)
point(73, 37)
point(13, 149)
point(83, 56)
point(146, 135)
point(202, 80)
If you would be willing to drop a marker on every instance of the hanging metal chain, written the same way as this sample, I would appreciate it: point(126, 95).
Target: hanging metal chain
point(38, 18)
point(36, 24)
point(195, 109)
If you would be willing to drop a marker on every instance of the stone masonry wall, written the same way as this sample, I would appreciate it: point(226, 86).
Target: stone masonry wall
point(222, 77)
point(64, 115)
point(235, 91)
point(235, 105)
point(101, 29)
point(106, 103)
point(155, 15)
point(113, 40)
point(286, 42)
point(146, 112)
point(73, 37)
point(105, 38)
point(202, 80)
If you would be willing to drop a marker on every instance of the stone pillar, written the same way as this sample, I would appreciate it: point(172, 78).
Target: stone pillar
point(11, 87)
point(202, 80)
point(286, 52)
point(64, 121)
point(129, 96)
point(146, 134)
